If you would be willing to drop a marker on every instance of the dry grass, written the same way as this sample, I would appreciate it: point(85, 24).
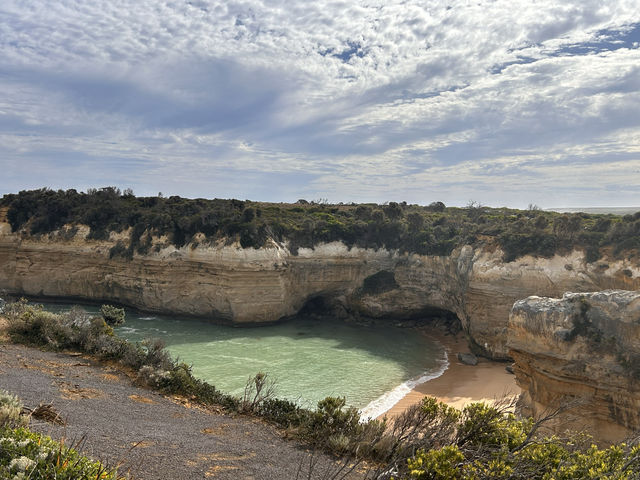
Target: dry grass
point(141, 399)
point(73, 392)
point(47, 413)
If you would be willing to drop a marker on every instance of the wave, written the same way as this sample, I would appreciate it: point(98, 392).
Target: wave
point(382, 404)
point(127, 330)
point(147, 318)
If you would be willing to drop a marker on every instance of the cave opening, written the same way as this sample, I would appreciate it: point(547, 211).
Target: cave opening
point(318, 306)
point(321, 306)
point(437, 317)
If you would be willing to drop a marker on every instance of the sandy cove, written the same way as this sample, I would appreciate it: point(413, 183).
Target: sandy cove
point(461, 384)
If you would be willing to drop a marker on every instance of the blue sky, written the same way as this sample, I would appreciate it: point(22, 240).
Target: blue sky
point(503, 102)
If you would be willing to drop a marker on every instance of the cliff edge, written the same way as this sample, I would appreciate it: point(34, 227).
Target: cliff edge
point(226, 282)
point(583, 350)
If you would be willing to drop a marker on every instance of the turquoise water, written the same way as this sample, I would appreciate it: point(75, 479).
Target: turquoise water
point(308, 358)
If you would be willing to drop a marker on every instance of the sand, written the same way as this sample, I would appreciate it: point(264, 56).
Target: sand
point(462, 384)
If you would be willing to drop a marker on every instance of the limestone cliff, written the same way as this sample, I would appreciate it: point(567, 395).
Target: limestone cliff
point(582, 349)
point(229, 283)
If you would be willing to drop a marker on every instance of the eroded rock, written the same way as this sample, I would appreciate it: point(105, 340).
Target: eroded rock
point(582, 349)
point(228, 283)
point(468, 358)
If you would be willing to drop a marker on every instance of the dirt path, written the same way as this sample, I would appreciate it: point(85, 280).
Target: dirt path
point(172, 441)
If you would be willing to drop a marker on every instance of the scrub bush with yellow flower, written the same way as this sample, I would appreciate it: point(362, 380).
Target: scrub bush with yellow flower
point(489, 444)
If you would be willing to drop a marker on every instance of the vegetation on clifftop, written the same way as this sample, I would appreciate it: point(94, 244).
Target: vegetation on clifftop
point(431, 230)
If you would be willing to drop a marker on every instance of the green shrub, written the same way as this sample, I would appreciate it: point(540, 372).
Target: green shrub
point(442, 464)
point(489, 443)
point(483, 425)
point(427, 230)
point(11, 411)
point(547, 459)
point(35, 326)
point(332, 418)
point(112, 315)
point(283, 412)
point(27, 455)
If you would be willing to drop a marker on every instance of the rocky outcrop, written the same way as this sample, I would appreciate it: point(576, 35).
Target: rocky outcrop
point(229, 283)
point(581, 350)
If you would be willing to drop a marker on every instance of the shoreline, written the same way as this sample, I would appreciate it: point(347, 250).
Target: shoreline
point(453, 383)
point(460, 384)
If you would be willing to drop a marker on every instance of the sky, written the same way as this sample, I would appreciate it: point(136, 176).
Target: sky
point(498, 102)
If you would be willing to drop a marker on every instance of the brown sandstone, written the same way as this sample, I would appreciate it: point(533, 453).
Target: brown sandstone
point(229, 283)
point(582, 350)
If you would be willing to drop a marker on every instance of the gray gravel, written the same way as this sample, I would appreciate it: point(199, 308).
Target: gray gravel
point(150, 436)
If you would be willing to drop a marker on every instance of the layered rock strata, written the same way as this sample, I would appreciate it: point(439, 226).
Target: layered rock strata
point(228, 283)
point(580, 351)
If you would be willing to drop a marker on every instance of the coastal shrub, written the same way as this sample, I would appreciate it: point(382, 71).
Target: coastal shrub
point(546, 459)
point(283, 412)
point(28, 455)
point(156, 354)
point(436, 464)
point(428, 230)
point(112, 315)
point(424, 425)
point(488, 443)
point(338, 443)
point(258, 389)
point(180, 380)
point(11, 411)
point(481, 425)
point(517, 244)
point(332, 418)
point(35, 326)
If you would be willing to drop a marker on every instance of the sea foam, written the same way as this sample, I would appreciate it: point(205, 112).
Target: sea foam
point(383, 403)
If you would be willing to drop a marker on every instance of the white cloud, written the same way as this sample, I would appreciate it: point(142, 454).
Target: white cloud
point(350, 99)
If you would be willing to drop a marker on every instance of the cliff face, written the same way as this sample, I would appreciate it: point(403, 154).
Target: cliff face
point(583, 350)
point(264, 285)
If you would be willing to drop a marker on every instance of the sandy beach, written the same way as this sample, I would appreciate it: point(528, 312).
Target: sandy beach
point(462, 384)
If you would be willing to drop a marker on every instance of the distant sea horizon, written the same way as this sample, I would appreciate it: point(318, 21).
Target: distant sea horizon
point(613, 210)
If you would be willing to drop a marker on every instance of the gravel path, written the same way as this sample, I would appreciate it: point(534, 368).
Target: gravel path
point(151, 436)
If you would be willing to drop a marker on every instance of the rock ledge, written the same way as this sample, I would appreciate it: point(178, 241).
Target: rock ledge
point(582, 349)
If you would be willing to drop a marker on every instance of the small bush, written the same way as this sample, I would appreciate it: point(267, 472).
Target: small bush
point(35, 326)
point(258, 389)
point(283, 412)
point(10, 411)
point(27, 455)
point(112, 315)
point(156, 354)
point(120, 250)
point(332, 418)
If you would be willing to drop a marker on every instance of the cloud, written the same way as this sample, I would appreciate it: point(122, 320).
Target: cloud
point(346, 100)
